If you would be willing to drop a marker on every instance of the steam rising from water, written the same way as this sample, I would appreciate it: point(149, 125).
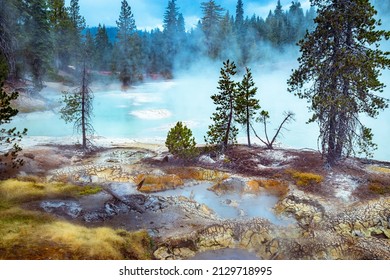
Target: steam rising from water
point(149, 110)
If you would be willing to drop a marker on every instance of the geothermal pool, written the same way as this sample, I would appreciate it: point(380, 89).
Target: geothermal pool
point(147, 111)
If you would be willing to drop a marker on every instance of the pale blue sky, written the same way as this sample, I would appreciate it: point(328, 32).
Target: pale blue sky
point(148, 14)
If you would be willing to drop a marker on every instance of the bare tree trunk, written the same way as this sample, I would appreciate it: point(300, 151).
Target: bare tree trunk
point(331, 150)
point(248, 126)
point(226, 140)
point(84, 89)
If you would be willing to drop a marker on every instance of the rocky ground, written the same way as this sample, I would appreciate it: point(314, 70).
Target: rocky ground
point(338, 213)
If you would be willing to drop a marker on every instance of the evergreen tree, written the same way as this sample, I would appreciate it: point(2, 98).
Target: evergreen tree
point(38, 48)
point(9, 12)
point(78, 110)
point(78, 21)
point(77, 25)
point(223, 132)
point(125, 44)
point(277, 26)
point(78, 104)
point(295, 21)
point(103, 49)
point(239, 28)
point(226, 38)
point(239, 14)
point(60, 26)
point(9, 138)
point(246, 105)
point(212, 16)
point(171, 45)
point(180, 142)
point(338, 74)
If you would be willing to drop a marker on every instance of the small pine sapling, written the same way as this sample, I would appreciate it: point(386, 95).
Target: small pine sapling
point(181, 143)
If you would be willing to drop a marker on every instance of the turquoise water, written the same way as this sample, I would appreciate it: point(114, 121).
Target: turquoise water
point(149, 110)
point(232, 205)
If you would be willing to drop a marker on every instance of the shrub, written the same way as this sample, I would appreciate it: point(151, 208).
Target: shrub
point(180, 142)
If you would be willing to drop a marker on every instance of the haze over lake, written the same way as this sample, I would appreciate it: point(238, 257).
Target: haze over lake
point(147, 111)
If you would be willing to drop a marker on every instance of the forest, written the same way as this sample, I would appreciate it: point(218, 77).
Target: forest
point(40, 38)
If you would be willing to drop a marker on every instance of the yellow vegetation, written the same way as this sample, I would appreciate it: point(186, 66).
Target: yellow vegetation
point(380, 169)
point(152, 183)
point(30, 235)
point(379, 188)
point(198, 174)
point(275, 187)
point(16, 191)
point(33, 235)
point(304, 179)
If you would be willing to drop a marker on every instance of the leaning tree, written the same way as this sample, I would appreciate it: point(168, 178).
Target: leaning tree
point(338, 74)
point(222, 131)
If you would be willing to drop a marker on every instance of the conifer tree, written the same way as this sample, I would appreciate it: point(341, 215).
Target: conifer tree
point(103, 49)
point(125, 43)
point(76, 26)
point(246, 105)
point(171, 32)
point(212, 16)
point(78, 104)
point(9, 138)
point(223, 131)
point(338, 74)
point(180, 142)
point(60, 26)
point(38, 48)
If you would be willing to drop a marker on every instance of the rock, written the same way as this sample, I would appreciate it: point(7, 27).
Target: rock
point(206, 210)
point(62, 208)
point(111, 209)
point(29, 155)
point(162, 254)
point(155, 203)
point(183, 253)
point(206, 159)
point(236, 185)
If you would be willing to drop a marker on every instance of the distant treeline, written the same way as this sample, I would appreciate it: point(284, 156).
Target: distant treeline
point(43, 37)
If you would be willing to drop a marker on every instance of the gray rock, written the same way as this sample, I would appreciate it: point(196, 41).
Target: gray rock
point(206, 159)
point(62, 208)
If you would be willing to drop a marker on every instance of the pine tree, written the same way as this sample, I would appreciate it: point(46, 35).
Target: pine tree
point(38, 48)
point(277, 25)
point(9, 13)
point(125, 44)
point(295, 21)
point(9, 138)
point(60, 26)
point(77, 25)
point(103, 49)
point(78, 105)
point(180, 142)
point(338, 74)
point(223, 132)
point(246, 105)
point(171, 43)
point(239, 14)
point(212, 16)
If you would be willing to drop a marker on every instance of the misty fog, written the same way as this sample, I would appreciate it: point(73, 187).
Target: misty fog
point(147, 111)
